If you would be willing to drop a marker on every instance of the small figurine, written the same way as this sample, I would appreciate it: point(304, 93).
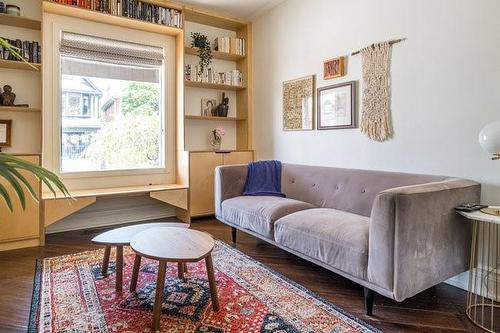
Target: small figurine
point(8, 97)
point(223, 107)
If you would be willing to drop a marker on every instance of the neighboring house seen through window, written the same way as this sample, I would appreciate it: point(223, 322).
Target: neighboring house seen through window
point(112, 105)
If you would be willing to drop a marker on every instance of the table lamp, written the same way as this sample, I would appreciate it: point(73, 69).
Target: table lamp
point(489, 139)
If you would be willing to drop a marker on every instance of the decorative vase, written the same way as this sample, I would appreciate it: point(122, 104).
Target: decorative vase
point(222, 110)
point(215, 142)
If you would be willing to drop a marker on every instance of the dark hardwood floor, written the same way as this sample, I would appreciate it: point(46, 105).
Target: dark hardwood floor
point(439, 309)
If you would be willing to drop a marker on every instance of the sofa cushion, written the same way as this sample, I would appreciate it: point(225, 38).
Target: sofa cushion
point(258, 213)
point(334, 237)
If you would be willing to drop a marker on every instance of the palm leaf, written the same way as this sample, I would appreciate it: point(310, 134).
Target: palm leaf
point(5, 196)
point(5, 173)
point(9, 169)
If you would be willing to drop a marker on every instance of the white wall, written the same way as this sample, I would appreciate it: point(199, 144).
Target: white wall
point(445, 83)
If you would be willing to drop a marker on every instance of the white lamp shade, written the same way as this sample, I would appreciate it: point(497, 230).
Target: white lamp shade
point(489, 138)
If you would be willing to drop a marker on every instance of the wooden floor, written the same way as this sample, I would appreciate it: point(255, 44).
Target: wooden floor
point(439, 309)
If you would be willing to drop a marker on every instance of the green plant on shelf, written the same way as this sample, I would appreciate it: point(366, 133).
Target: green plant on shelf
point(201, 42)
point(15, 52)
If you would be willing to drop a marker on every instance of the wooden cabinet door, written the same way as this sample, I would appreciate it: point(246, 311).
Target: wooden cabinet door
point(20, 225)
point(238, 157)
point(201, 181)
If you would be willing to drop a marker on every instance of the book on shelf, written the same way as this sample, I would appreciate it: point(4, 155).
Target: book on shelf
point(29, 50)
point(230, 45)
point(136, 9)
point(210, 75)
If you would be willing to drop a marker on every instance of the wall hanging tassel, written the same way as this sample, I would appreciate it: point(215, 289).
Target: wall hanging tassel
point(376, 117)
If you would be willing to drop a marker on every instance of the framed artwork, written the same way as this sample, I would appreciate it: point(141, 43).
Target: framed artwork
point(207, 105)
point(5, 132)
point(298, 104)
point(337, 106)
point(333, 68)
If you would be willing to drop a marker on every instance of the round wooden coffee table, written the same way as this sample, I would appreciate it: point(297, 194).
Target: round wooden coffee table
point(174, 245)
point(121, 237)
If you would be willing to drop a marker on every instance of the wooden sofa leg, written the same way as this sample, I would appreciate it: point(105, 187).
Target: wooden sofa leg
point(233, 234)
point(369, 296)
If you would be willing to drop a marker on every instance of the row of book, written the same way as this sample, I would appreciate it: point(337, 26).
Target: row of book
point(210, 75)
point(135, 9)
point(230, 45)
point(31, 51)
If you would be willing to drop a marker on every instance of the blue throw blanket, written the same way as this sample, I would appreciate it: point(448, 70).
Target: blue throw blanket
point(264, 178)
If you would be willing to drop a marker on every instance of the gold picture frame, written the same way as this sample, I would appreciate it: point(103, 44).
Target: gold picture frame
point(333, 68)
point(298, 104)
point(5, 133)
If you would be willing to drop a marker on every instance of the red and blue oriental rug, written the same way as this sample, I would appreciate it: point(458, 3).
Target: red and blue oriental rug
point(71, 295)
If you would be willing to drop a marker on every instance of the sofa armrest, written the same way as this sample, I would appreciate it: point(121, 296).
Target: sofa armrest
point(417, 240)
point(229, 183)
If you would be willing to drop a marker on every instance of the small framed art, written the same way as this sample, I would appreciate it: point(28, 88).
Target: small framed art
point(5, 132)
point(207, 106)
point(333, 68)
point(337, 106)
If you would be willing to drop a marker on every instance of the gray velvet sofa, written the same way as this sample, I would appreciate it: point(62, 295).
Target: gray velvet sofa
point(395, 234)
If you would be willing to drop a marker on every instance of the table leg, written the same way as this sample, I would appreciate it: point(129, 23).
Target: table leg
point(119, 267)
point(160, 284)
point(105, 261)
point(180, 270)
point(185, 266)
point(212, 282)
point(135, 273)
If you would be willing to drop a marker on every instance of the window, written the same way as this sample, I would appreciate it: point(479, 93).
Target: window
point(112, 104)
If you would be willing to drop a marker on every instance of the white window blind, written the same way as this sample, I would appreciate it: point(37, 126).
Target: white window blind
point(92, 56)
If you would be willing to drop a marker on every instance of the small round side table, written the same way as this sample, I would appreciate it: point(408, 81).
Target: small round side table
point(483, 306)
point(174, 245)
point(121, 237)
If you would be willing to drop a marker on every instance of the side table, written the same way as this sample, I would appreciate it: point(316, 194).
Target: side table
point(483, 307)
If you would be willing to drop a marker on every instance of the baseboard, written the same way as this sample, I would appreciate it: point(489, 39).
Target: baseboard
point(460, 281)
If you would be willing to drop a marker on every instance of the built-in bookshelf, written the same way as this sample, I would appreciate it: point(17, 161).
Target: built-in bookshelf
point(21, 65)
point(154, 12)
point(216, 54)
point(20, 22)
point(233, 36)
point(18, 109)
point(216, 86)
point(211, 118)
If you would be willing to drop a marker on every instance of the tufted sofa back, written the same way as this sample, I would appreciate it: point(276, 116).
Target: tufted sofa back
point(349, 190)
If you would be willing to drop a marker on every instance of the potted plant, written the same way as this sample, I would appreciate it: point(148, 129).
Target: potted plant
point(201, 42)
point(10, 166)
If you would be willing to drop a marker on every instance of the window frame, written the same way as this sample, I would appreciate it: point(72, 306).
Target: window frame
point(53, 98)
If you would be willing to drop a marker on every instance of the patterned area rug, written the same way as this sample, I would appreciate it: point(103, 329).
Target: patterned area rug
point(71, 295)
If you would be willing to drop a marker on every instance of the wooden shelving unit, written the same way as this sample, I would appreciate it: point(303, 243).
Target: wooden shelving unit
point(20, 22)
point(10, 64)
point(207, 85)
point(216, 54)
point(17, 109)
point(209, 118)
point(202, 163)
point(121, 21)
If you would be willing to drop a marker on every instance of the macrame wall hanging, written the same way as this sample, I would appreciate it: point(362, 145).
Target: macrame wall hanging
point(376, 114)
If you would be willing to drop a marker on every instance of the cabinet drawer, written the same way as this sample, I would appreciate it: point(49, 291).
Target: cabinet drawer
point(238, 157)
